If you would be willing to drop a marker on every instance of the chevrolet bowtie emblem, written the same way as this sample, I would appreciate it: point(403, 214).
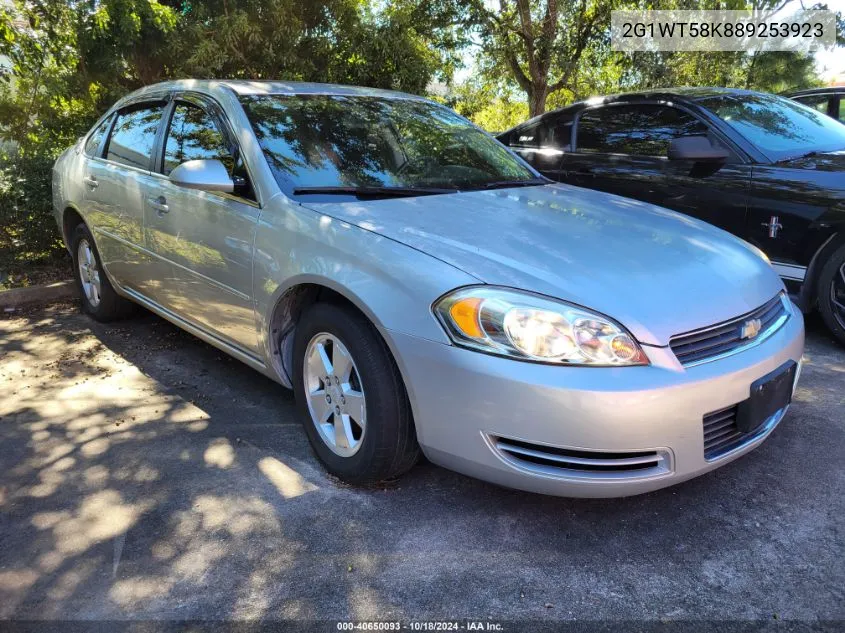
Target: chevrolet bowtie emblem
point(751, 328)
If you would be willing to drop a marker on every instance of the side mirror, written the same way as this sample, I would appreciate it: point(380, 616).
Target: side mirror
point(207, 175)
point(696, 148)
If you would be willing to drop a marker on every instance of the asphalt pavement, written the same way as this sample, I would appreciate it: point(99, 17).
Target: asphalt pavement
point(145, 475)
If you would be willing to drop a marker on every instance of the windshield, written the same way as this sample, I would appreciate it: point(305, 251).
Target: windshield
point(336, 141)
point(781, 128)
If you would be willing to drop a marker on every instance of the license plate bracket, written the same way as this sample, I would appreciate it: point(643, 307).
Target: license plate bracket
point(769, 394)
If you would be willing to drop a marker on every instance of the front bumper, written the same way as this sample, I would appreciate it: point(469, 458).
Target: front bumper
point(468, 405)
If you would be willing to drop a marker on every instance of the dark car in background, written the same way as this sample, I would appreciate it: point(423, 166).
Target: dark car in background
point(828, 100)
point(763, 167)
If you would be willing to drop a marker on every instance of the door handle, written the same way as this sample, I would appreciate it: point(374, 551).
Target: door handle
point(91, 182)
point(159, 204)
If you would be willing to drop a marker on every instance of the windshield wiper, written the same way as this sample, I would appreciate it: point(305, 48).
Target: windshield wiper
point(504, 184)
point(799, 157)
point(372, 192)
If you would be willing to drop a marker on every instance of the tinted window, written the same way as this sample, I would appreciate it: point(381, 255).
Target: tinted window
point(93, 142)
point(550, 132)
point(194, 135)
point(134, 134)
point(781, 128)
point(644, 130)
point(334, 140)
point(817, 102)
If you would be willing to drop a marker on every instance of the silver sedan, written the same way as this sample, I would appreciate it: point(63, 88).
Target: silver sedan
point(422, 290)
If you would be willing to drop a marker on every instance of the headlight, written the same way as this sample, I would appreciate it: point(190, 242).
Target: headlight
point(528, 327)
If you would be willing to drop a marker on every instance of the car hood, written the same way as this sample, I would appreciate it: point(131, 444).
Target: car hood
point(828, 161)
point(657, 272)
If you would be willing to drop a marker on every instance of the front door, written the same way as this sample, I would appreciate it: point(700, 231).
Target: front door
point(623, 149)
point(204, 241)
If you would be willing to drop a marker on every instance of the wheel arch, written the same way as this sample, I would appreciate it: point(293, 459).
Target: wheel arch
point(71, 217)
point(290, 301)
point(809, 291)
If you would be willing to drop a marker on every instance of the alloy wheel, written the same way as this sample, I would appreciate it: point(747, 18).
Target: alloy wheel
point(335, 395)
point(89, 274)
point(837, 295)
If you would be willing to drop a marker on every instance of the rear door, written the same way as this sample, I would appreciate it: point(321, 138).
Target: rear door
point(203, 241)
point(114, 178)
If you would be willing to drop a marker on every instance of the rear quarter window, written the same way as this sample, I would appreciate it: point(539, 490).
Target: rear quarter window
point(92, 145)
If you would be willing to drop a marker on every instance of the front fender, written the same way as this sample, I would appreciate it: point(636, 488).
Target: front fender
point(393, 284)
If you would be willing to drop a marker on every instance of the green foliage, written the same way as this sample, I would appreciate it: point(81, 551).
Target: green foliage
point(552, 62)
point(28, 232)
point(68, 60)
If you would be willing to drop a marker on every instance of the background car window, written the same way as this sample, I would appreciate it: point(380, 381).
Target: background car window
point(134, 135)
point(194, 135)
point(550, 132)
point(817, 102)
point(644, 130)
point(93, 142)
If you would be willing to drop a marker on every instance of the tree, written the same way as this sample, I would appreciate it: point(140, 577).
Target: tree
point(541, 44)
point(398, 44)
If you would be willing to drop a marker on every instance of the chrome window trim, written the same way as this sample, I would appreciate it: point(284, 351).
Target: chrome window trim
point(120, 165)
point(758, 340)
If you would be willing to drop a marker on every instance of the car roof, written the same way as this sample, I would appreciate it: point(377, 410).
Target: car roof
point(683, 94)
point(817, 91)
point(262, 87)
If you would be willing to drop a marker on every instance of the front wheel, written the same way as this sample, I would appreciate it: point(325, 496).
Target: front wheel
point(831, 293)
point(351, 396)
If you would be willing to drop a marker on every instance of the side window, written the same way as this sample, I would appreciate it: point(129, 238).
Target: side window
point(193, 135)
point(96, 137)
point(550, 132)
point(529, 136)
point(641, 130)
point(817, 102)
point(134, 135)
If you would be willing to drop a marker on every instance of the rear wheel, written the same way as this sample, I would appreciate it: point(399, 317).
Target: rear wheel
point(351, 396)
point(97, 295)
point(831, 293)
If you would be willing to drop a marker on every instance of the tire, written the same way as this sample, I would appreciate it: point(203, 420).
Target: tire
point(386, 445)
point(99, 299)
point(831, 291)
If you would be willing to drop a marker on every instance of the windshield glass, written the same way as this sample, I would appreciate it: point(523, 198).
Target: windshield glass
point(781, 128)
point(359, 141)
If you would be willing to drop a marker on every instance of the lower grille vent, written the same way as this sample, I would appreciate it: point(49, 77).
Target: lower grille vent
point(570, 462)
point(721, 433)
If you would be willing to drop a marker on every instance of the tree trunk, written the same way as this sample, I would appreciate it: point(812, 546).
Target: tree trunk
point(537, 100)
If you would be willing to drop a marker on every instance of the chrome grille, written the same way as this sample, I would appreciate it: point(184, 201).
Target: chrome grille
point(702, 345)
point(569, 462)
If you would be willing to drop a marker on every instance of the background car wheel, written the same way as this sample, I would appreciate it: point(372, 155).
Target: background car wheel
point(351, 396)
point(831, 293)
point(96, 292)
